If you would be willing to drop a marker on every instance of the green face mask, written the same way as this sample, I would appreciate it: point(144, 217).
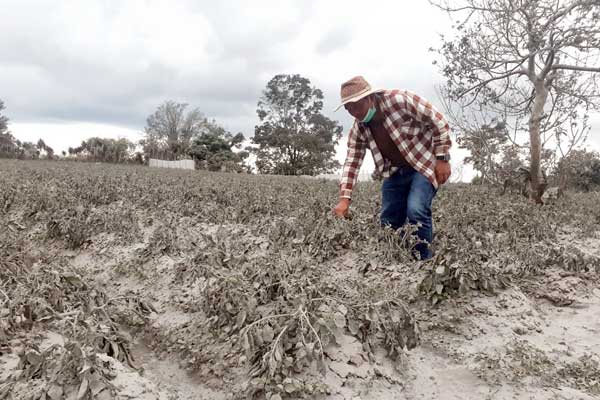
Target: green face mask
point(369, 116)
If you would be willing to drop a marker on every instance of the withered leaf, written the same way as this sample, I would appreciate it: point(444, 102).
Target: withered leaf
point(439, 288)
point(321, 366)
point(34, 358)
point(310, 348)
point(324, 308)
point(115, 350)
point(272, 365)
point(96, 385)
point(339, 319)
point(258, 338)
point(86, 367)
point(83, 388)
point(241, 318)
point(246, 342)
point(268, 334)
point(277, 353)
point(300, 354)
point(55, 392)
point(290, 387)
point(353, 326)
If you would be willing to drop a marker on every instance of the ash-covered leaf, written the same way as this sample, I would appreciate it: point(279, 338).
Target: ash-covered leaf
point(83, 389)
point(339, 319)
point(268, 334)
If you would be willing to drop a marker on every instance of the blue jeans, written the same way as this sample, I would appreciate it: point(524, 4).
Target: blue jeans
point(408, 194)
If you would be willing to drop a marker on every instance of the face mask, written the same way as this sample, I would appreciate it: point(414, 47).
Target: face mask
point(369, 116)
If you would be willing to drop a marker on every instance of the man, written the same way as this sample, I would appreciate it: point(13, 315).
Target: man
point(410, 143)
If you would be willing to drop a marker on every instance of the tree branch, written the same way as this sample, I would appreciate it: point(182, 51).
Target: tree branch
point(496, 78)
point(575, 68)
point(560, 14)
point(549, 59)
point(447, 8)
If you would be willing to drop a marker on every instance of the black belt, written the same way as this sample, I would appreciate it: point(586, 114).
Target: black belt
point(401, 165)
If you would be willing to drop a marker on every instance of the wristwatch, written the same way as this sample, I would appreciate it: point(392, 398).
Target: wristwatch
point(445, 157)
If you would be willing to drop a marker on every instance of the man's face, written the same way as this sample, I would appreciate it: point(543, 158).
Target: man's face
point(358, 109)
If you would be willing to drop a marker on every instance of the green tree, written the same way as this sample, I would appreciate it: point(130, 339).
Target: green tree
point(293, 136)
point(3, 119)
point(213, 149)
point(45, 149)
point(28, 151)
point(8, 146)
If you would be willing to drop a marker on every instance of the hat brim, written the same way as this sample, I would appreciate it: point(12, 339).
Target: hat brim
point(357, 98)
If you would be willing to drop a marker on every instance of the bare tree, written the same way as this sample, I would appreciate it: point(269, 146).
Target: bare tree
point(170, 129)
point(535, 62)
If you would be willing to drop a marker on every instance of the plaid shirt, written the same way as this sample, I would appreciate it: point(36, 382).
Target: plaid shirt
point(415, 126)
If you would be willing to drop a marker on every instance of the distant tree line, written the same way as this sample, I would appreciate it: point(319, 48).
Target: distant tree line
point(106, 150)
point(293, 137)
point(10, 147)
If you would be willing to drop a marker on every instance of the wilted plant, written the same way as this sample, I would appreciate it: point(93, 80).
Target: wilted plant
point(267, 284)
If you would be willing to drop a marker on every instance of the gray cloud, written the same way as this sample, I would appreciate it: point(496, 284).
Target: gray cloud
point(112, 62)
point(46, 74)
point(334, 40)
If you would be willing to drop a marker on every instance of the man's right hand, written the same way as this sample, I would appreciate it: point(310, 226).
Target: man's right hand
point(341, 210)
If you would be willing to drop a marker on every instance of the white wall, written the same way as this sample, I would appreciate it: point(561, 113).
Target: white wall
point(180, 164)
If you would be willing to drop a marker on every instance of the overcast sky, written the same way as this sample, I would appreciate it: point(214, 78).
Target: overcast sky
point(74, 69)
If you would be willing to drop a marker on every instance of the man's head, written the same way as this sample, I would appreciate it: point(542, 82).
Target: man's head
point(357, 97)
point(359, 109)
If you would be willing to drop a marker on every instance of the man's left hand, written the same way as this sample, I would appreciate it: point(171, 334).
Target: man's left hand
point(442, 171)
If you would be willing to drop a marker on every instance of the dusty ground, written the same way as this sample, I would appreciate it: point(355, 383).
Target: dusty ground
point(542, 344)
point(137, 283)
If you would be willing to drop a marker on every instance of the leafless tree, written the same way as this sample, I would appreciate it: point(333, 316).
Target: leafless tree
point(169, 130)
point(534, 62)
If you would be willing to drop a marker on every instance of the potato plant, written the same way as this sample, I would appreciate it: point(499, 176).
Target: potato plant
point(271, 282)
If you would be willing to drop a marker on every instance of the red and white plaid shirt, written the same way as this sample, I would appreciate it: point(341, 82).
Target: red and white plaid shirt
point(415, 126)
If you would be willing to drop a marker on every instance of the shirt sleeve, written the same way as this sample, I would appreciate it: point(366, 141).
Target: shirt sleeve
point(357, 147)
point(423, 111)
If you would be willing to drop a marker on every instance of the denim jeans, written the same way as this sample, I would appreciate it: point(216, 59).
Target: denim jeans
point(408, 194)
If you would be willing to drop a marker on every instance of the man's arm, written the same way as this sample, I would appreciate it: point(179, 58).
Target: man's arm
point(357, 147)
point(423, 111)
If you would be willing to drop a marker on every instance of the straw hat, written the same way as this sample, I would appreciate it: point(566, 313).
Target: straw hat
point(354, 90)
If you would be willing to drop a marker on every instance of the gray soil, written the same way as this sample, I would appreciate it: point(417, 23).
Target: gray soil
point(534, 343)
